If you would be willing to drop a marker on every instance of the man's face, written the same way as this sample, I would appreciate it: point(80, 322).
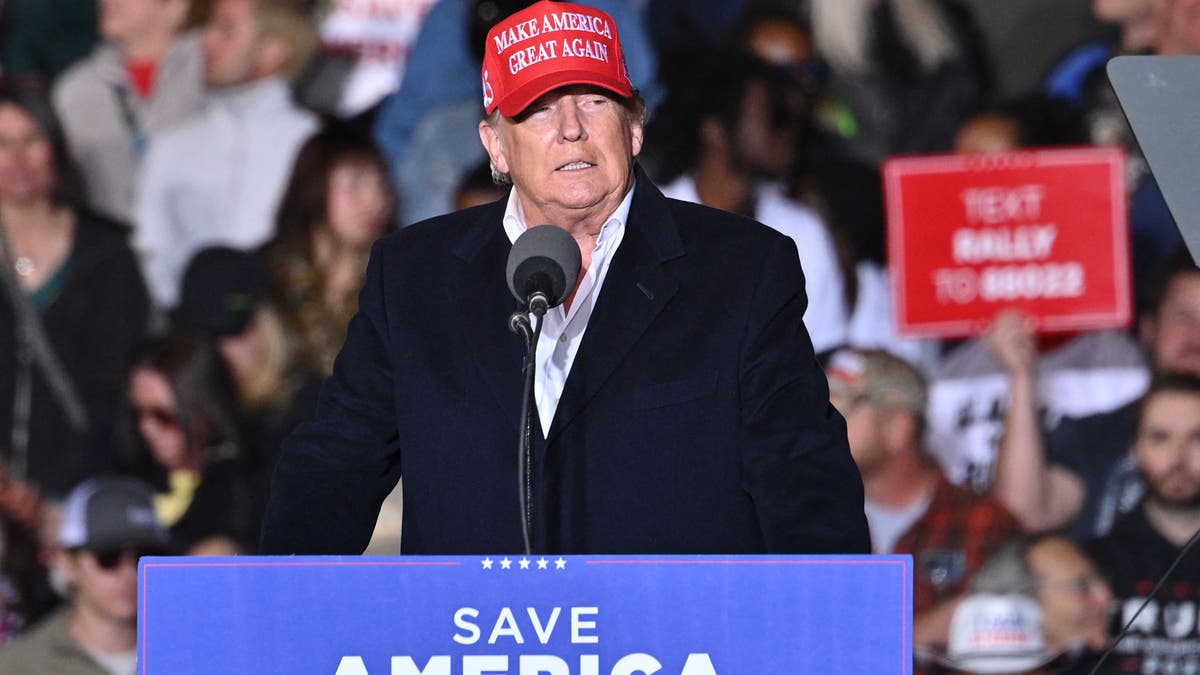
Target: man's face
point(864, 432)
point(122, 20)
point(987, 133)
point(765, 138)
point(232, 44)
point(1180, 27)
point(570, 154)
point(782, 44)
point(1172, 335)
point(105, 585)
point(1167, 448)
point(1074, 598)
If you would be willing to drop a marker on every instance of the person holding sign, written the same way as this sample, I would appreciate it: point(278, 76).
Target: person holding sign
point(1081, 477)
point(679, 404)
point(1036, 231)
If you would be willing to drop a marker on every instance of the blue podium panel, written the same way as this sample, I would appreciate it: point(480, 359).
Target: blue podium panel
point(552, 615)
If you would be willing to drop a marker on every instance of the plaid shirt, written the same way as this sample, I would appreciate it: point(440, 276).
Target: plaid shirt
point(950, 542)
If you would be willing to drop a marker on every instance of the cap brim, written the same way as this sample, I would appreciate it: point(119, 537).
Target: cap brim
point(997, 664)
point(210, 321)
point(147, 538)
point(519, 99)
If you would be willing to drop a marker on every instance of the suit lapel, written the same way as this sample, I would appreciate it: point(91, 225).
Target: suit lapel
point(481, 299)
point(635, 290)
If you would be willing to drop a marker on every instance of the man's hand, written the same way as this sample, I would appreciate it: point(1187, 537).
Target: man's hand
point(1012, 341)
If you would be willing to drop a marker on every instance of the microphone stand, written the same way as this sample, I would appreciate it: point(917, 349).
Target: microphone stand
point(519, 323)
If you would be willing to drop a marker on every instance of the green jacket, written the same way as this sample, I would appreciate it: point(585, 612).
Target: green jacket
point(48, 648)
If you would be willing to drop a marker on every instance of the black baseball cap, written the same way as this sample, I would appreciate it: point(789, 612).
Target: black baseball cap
point(221, 289)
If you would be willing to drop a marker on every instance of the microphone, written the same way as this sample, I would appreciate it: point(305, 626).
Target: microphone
point(543, 266)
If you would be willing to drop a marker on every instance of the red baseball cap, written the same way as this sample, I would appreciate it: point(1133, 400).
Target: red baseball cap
point(550, 45)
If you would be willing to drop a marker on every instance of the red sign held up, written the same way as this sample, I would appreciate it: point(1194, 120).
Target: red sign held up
point(1042, 231)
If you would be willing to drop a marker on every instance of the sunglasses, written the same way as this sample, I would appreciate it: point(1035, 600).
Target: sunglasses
point(110, 560)
point(161, 416)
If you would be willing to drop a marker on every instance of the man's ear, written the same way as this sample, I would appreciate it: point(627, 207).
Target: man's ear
point(637, 132)
point(494, 145)
point(273, 56)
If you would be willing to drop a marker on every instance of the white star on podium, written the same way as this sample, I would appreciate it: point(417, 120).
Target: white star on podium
point(505, 564)
point(524, 563)
point(542, 562)
point(487, 563)
point(560, 564)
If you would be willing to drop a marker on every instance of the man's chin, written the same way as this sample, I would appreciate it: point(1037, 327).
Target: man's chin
point(1188, 364)
point(1178, 500)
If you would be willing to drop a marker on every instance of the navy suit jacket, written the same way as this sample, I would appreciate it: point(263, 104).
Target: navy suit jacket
point(695, 418)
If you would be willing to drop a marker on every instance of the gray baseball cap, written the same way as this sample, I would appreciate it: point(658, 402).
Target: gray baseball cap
point(111, 512)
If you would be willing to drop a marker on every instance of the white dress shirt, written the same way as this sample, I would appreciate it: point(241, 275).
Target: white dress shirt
point(563, 329)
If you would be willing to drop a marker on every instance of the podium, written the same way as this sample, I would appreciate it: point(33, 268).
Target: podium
point(540, 615)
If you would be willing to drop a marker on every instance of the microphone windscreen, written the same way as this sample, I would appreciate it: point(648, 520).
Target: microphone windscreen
point(546, 259)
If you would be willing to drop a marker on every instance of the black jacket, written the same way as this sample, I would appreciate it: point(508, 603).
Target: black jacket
point(94, 321)
point(694, 419)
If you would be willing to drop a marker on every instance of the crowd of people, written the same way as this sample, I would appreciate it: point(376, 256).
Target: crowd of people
point(190, 192)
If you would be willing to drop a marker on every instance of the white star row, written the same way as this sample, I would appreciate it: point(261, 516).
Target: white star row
point(524, 563)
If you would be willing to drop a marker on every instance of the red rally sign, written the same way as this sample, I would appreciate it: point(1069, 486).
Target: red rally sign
point(1041, 231)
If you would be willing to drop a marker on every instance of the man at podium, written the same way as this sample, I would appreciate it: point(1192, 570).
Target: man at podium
point(679, 408)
